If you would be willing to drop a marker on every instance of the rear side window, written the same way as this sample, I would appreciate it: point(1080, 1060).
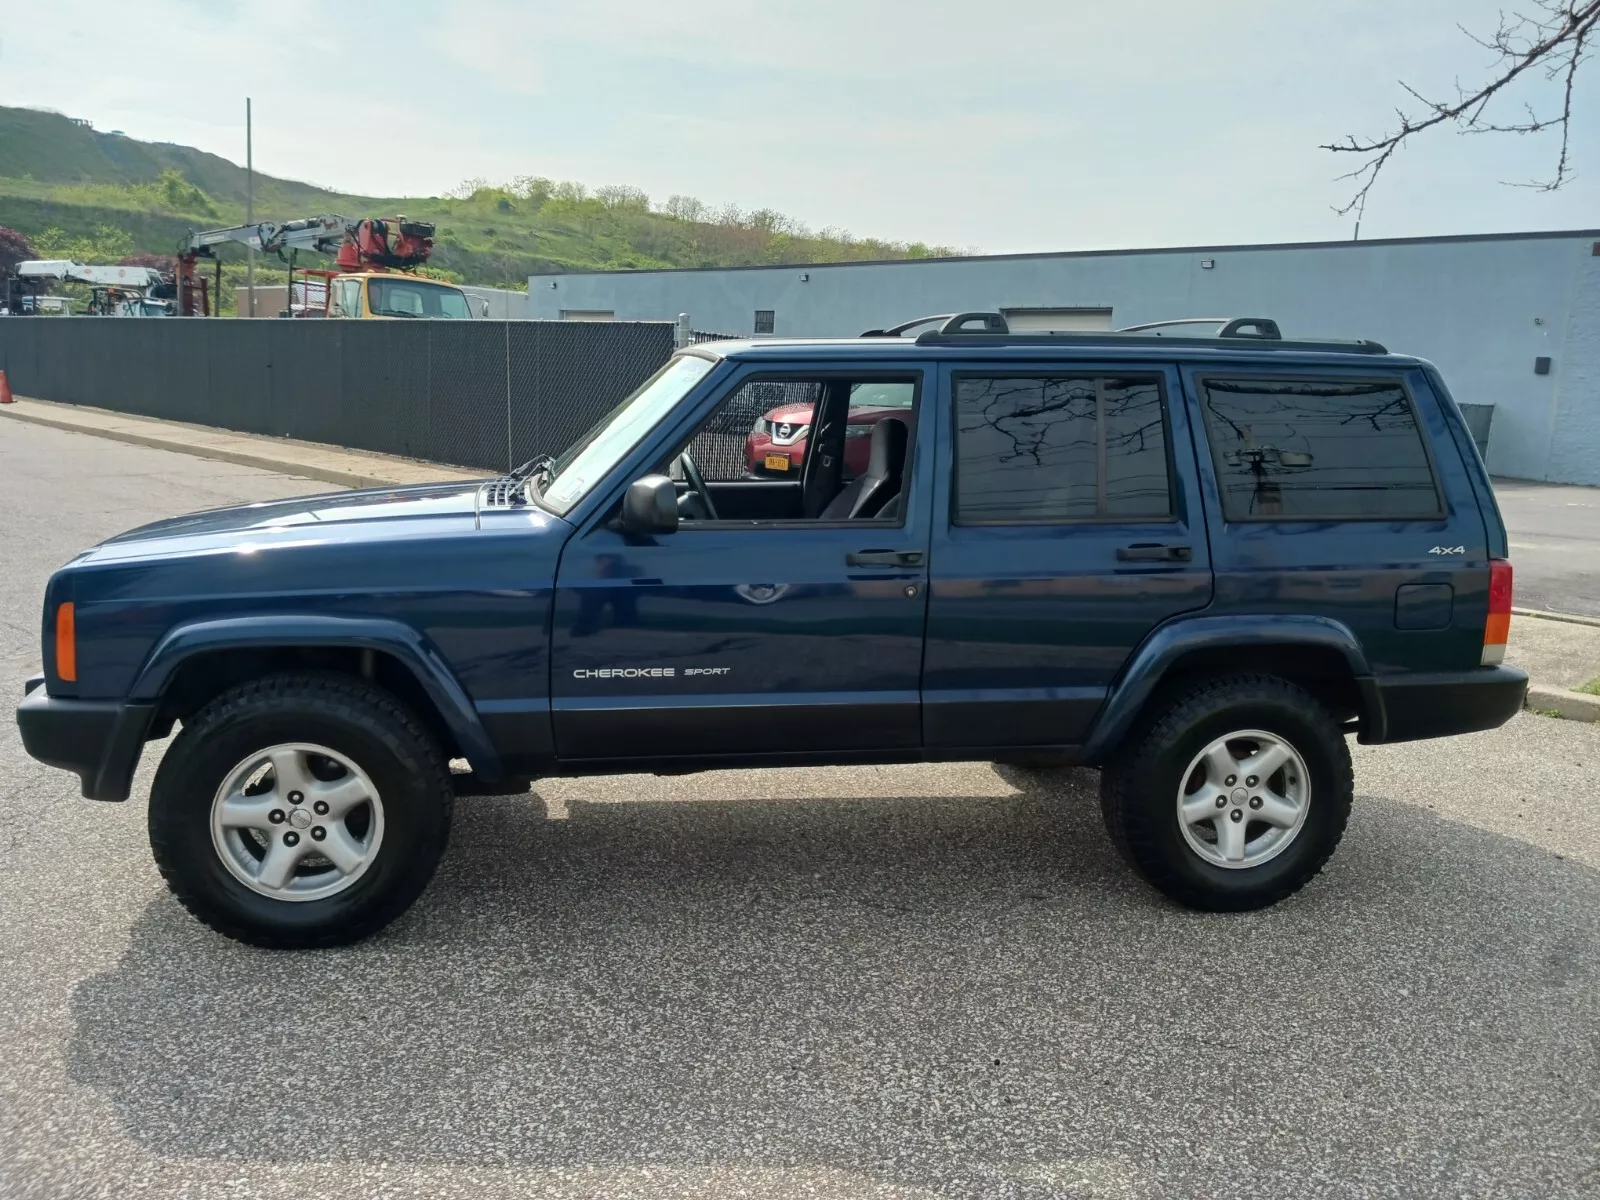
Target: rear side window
point(1317, 449)
point(1060, 448)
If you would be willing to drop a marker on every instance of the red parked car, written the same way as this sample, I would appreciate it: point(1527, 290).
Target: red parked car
point(777, 443)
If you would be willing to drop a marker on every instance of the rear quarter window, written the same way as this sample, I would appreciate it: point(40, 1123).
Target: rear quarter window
point(1317, 449)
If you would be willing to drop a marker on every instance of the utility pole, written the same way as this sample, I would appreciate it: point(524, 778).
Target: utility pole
point(249, 209)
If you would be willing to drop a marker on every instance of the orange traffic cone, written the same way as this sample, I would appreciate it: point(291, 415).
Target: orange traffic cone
point(5, 390)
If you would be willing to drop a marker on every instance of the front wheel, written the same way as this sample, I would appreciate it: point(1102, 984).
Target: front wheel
point(1234, 796)
point(300, 811)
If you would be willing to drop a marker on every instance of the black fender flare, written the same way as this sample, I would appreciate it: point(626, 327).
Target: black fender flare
point(1167, 643)
point(268, 630)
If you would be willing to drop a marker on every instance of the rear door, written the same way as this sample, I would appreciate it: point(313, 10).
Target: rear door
point(1068, 524)
point(1338, 491)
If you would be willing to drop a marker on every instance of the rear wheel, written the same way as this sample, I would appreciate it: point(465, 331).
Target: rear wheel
point(1233, 796)
point(300, 811)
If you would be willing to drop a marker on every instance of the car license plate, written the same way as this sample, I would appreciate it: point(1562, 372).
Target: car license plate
point(777, 462)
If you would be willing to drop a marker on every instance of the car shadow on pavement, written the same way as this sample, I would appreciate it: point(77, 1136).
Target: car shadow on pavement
point(966, 994)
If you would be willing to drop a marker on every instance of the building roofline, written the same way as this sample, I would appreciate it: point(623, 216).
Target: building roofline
point(1440, 239)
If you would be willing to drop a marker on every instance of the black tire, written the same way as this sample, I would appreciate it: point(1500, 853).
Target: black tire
point(1139, 789)
point(366, 724)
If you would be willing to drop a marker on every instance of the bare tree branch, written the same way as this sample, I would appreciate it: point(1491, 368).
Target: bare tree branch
point(1557, 38)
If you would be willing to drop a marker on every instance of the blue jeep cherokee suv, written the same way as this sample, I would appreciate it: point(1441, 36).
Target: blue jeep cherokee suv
point(1195, 562)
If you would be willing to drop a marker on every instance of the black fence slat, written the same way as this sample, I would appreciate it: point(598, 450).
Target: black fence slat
point(386, 387)
point(467, 393)
point(238, 382)
point(484, 394)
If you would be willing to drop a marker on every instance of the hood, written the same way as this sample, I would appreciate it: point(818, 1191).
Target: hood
point(321, 513)
point(868, 414)
point(371, 515)
point(790, 414)
point(861, 414)
point(429, 555)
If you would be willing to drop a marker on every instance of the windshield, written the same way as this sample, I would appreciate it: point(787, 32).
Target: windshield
point(401, 297)
point(593, 455)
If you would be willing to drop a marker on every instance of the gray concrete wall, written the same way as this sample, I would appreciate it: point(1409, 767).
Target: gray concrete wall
point(1482, 308)
point(504, 305)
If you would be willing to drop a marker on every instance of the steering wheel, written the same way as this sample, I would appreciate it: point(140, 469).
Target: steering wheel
point(697, 484)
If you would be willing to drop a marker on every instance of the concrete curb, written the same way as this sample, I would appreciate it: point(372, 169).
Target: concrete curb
point(360, 470)
point(1571, 706)
point(1569, 618)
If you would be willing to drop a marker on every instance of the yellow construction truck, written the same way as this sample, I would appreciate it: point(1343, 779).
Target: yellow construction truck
point(375, 257)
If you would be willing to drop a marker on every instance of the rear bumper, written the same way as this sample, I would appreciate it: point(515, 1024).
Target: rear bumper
point(1428, 706)
point(99, 741)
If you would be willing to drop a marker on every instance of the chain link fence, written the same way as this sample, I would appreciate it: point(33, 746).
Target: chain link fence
point(486, 394)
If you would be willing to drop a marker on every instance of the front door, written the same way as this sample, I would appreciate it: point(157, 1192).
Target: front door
point(1065, 535)
point(774, 626)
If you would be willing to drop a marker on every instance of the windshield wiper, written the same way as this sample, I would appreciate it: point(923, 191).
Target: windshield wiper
point(534, 475)
point(535, 468)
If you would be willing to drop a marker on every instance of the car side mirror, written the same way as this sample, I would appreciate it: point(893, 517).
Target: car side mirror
point(650, 505)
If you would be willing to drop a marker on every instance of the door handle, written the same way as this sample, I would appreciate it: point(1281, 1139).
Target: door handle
point(1153, 552)
point(884, 558)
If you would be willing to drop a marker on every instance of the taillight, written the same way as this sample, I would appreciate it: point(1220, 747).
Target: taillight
point(1497, 626)
point(66, 643)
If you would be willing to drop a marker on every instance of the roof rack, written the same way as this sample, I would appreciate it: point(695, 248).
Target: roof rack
point(992, 322)
point(1238, 327)
point(991, 329)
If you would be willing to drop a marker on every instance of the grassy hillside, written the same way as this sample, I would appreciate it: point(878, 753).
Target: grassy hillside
point(75, 192)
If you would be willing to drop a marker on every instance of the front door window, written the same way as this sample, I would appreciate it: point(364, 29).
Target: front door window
point(824, 448)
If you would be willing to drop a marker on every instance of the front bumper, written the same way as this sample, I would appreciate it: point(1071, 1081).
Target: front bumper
point(1428, 706)
point(97, 740)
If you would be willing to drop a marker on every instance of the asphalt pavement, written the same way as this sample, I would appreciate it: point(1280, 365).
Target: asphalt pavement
point(1555, 545)
point(884, 982)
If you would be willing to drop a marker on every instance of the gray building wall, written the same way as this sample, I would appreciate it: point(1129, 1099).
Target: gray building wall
point(504, 305)
point(1482, 308)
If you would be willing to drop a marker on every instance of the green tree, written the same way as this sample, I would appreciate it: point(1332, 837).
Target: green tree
point(106, 244)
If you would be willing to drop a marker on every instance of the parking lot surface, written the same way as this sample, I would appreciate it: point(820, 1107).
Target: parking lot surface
point(1555, 544)
point(862, 982)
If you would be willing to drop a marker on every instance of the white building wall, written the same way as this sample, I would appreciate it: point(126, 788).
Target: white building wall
point(1482, 308)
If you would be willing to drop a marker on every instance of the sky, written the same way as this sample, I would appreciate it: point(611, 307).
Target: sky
point(1002, 127)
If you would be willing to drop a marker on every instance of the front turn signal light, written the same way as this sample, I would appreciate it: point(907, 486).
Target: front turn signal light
point(67, 643)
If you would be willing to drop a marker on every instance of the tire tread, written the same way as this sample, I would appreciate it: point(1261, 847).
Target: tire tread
point(338, 696)
point(1126, 808)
